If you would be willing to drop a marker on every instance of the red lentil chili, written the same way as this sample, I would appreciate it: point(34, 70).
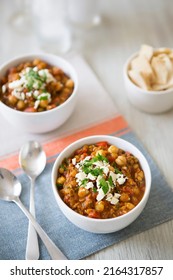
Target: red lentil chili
point(101, 181)
point(35, 86)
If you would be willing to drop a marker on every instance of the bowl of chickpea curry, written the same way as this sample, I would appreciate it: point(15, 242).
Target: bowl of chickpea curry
point(101, 183)
point(37, 92)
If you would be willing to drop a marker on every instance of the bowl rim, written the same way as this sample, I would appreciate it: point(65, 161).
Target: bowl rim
point(38, 55)
point(107, 138)
point(149, 92)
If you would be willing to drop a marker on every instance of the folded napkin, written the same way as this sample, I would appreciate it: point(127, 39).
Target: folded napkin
point(13, 223)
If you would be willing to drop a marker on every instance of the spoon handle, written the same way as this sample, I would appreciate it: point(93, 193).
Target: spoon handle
point(32, 248)
point(53, 250)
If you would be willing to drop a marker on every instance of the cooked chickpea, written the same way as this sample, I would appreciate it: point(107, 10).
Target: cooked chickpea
point(101, 152)
point(99, 206)
point(73, 173)
point(82, 192)
point(134, 200)
point(111, 168)
point(136, 191)
point(129, 205)
point(113, 149)
point(124, 197)
point(139, 175)
point(121, 160)
point(43, 104)
point(61, 180)
point(61, 170)
point(69, 83)
point(41, 65)
point(114, 155)
point(12, 100)
point(20, 105)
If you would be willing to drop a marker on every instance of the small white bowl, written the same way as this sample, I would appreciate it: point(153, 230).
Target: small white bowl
point(102, 225)
point(41, 122)
point(147, 101)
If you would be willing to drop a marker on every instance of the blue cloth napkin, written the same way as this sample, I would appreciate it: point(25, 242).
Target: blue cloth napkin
point(14, 225)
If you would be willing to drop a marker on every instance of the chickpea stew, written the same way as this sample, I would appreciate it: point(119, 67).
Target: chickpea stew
point(101, 181)
point(35, 86)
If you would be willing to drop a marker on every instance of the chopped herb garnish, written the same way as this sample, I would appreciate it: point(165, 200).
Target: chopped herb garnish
point(96, 172)
point(104, 185)
point(84, 182)
point(59, 186)
point(116, 169)
point(86, 169)
point(101, 158)
point(110, 181)
point(94, 189)
point(34, 79)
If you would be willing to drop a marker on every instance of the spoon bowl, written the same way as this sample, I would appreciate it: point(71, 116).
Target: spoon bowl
point(32, 158)
point(10, 189)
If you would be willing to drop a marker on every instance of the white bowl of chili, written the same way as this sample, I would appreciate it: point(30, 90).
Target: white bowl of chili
point(101, 183)
point(38, 92)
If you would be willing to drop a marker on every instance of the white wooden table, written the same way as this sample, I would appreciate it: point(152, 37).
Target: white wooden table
point(126, 25)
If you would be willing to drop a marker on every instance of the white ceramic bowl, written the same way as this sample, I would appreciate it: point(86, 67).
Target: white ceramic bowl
point(41, 122)
point(102, 225)
point(147, 101)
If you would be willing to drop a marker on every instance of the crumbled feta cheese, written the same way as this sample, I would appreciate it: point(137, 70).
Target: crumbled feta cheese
point(91, 177)
point(36, 93)
point(29, 93)
point(105, 170)
point(26, 70)
point(98, 181)
point(15, 84)
point(89, 185)
point(73, 161)
point(35, 68)
point(114, 177)
point(18, 94)
point(86, 158)
point(100, 194)
point(113, 199)
point(44, 94)
point(120, 178)
point(36, 104)
point(47, 74)
point(80, 176)
point(4, 87)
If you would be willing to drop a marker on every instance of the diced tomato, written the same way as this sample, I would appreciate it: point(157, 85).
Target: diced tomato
point(30, 109)
point(84, 155)
point(94, 214)
point(102, 144)
point(110, 158)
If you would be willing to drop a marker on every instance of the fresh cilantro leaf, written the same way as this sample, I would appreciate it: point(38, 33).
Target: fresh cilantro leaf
point(116, 169)
point(84, 182)
point(101, 158)
point(96, 172)
point(43, 97)
point(94, 189)
point(104, 185)
point(86, 169)
point(110, 181)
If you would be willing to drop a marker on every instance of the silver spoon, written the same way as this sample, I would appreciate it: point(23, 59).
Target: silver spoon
point(32, 160)
point(10, 190)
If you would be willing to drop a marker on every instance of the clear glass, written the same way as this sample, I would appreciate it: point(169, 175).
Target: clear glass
point(50, 26)
point(21, 19)
point(84, 13)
